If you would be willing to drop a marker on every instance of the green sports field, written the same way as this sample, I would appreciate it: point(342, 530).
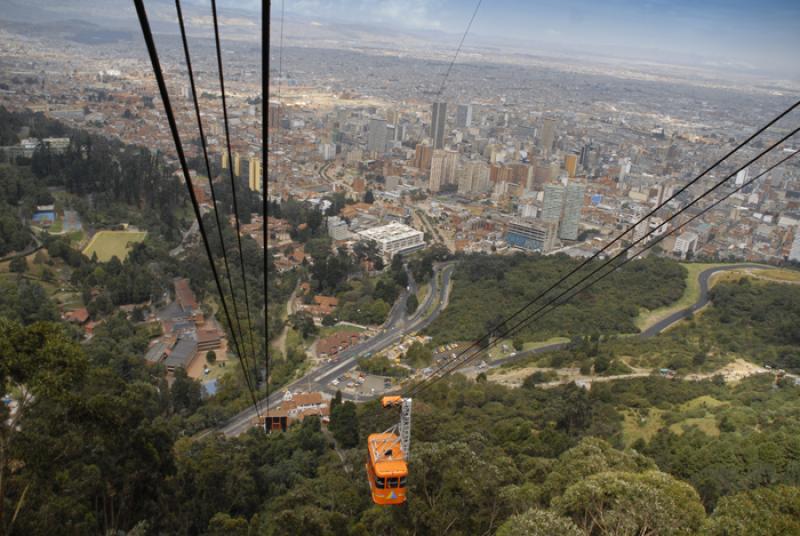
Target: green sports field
point(107, 244)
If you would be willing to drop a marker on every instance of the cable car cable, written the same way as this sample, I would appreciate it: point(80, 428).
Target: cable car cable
point(162, 87)
point(233, 183)
point(266, 12)
point(522, 309)
point(208, 171)
point(424, 385)
point(458, 50)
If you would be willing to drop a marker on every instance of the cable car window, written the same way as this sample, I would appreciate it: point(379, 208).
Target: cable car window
point(380, 483)
point(392, 483)
point(402, 482)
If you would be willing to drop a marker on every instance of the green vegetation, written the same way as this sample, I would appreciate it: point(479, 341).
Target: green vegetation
point(487, 287)
point(381, 366)
point(108, 244)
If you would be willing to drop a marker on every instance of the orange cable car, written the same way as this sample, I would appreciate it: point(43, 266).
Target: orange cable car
point(387, 470)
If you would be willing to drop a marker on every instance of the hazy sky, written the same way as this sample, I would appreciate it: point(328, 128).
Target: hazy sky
point(762, 33)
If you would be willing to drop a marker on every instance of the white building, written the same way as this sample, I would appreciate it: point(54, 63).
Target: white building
point(794, 253)
point(395, 238)
point(686, 243)
point(337, 228)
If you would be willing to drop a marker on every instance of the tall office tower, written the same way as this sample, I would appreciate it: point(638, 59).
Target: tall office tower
point(237, 164)
point(553, 203)
point(274, 120)
point(464, 116)
point(548, 135)
point(573, 203)
point(586, 156)
point(474, 178)
point(254, 174)
point(224, 163)
point(438, 116)
point(422, 157)
point(571, 164)
point(376, 136)
point(443, 169)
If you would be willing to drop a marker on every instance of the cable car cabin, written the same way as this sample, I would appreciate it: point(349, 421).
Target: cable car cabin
point(386, 469)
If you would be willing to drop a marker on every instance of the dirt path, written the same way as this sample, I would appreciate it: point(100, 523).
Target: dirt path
point(280, 341)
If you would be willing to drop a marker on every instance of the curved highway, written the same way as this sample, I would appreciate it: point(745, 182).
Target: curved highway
point(658, 327)
point(397, 325)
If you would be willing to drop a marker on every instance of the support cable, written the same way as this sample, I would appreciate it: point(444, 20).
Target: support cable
point(162, 87)
point(266, 12)
point(455, 364)
point(208, 171)
point(233, 185)
point(458, 50)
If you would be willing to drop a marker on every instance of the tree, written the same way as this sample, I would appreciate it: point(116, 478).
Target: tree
point(518, 343)
point(344, 424)
point(186, 392)
point(303, 322)
point(411, 304)
point(18, 265)
point(648, 504)
point(211, 357)
point(419, 355)
point(536, 522)
point(758, 512)
point(328, 320)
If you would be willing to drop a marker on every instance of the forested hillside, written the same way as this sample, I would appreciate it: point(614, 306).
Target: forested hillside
point(644, 456)
point(485, 288)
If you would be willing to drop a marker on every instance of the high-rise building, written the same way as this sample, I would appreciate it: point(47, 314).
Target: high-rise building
point(254, 175)
point(274, 118)
point(548, 135)
point(443, 169)
point(376, 136)
point(474, 178)
point(328, 151)
point(573, 203)
point(553, 203)
point(464, 116)
point(571, 164)
point(237, 164)
point(422, 157)
point(532, 236)
point(438, 116)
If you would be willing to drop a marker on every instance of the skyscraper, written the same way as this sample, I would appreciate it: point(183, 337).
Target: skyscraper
point(794, 253)
point(422, 157)
point(573, 203)
point(438, 115)
point(548, 135)
point(553, 203)
point(474, 178)
point(571, 164)
point(443, 169)
point(254, 174)
point(464, 115)
point(376, 136)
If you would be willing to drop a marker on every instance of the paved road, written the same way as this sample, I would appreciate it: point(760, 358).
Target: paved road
point(655, 329)
point(397, 325)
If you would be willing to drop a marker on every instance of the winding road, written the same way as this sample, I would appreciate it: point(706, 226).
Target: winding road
point(397, 325)
point(702, 300)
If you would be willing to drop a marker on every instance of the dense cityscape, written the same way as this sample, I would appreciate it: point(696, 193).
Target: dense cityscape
point(410, 205)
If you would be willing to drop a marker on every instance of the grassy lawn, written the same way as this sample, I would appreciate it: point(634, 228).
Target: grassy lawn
point(108, 244)
point(496, 352)
point(422, 292)
point(690, 296)
point(707, 425)
point(330, 330)
point(636, 427)
point(779, 274)
point(705, 401)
